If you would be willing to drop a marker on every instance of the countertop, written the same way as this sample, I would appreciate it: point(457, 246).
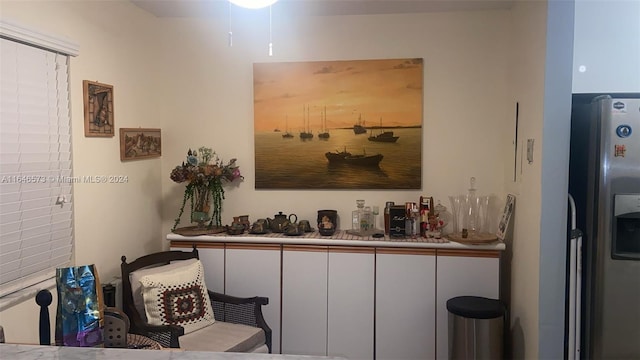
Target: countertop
point(341, 238)
point(33, 352)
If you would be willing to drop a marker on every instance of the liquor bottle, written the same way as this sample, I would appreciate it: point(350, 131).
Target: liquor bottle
point(387, 218)
point(426, 205)
point(361, 219)
point(411, 219)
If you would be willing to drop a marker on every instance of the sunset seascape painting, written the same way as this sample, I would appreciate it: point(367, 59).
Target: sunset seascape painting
point(354, 124)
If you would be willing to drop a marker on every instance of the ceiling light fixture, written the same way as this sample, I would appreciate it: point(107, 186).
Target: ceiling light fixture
point(253, 4)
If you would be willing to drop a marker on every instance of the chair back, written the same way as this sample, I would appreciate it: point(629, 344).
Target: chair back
point(147, 261)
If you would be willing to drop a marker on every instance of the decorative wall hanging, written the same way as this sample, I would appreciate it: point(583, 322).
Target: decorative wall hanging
point(137, 143)
point(353, 124)
point(98, 109)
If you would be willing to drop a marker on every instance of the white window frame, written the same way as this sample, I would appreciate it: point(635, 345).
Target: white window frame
point(30, 279)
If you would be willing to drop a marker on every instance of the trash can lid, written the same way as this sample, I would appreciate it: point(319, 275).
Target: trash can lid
point(475, 307)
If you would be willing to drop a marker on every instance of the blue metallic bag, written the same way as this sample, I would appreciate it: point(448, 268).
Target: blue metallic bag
point(80, 312)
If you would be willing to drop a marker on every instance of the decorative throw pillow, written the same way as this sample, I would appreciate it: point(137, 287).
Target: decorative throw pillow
point(178, 297)
point(136, 286)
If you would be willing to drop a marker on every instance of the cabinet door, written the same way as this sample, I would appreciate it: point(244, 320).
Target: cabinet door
point(461, 273)
point(405, 304)
point(304, 300)
point(254, 270)
point(350, 303)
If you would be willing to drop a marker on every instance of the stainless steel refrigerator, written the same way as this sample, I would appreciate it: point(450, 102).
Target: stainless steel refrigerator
point(604, 180)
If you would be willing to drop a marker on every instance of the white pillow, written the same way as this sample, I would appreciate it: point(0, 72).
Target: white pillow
point(178, 297)
point(136, 287)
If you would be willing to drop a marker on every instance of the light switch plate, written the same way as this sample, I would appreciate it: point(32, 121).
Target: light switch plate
point(530, 150)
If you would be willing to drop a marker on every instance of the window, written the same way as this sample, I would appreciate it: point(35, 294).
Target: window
point(36, 211)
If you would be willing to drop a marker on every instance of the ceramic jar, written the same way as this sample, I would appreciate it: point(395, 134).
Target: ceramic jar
point(327, 222)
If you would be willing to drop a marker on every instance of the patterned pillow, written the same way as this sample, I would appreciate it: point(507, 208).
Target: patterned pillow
point(178, 297)
point(136, 286)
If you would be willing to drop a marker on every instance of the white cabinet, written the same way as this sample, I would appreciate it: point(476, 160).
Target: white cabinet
point(461, 273)
point(304, 300)
point(350, 302)
point(254, 270)
point(405, 304)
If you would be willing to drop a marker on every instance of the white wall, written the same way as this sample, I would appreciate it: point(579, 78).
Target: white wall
point(607, 46)
point(180, 75)
point(556, 129)
point(526, 81)
point(465, 85)
point(117, 42)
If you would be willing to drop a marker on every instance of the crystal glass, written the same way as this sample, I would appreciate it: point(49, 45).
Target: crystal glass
point(483, 212)
point(455, 212)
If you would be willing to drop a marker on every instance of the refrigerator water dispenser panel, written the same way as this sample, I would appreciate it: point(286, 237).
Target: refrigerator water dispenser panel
point(625, 244)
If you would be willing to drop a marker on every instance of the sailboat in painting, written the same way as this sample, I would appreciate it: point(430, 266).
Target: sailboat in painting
point(358, 128)
point(323, 119)
point(287, 134)
point(305, 133)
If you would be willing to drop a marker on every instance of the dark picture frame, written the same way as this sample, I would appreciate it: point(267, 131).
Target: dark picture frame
point(139, 143)
point(98, 109)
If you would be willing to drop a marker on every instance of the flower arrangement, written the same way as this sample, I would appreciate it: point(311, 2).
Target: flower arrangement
point(205, 173)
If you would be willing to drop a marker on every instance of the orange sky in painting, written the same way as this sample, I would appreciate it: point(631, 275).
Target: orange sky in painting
point(390, 90)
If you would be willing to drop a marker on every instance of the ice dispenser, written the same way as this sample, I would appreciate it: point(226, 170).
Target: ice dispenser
point(626, 227)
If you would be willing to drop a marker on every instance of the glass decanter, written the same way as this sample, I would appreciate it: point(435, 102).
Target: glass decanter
point(362, 221)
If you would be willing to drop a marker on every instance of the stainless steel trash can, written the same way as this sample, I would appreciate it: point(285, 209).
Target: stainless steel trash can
point(476, 326)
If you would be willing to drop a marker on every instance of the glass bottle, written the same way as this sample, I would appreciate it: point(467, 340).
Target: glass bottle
point(366, 221)
point(411, 219)
point(387, 211)
point(361, 219)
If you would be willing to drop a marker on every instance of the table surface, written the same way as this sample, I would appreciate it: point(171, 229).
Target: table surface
point(341, 237)
point(33, 352)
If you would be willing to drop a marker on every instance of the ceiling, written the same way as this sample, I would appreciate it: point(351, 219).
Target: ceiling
point(209, 8)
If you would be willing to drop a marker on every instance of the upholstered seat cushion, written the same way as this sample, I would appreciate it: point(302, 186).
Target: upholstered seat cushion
point(225, 337)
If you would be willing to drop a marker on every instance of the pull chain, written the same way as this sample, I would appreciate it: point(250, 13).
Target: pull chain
point(270, 33)
point(230, 35)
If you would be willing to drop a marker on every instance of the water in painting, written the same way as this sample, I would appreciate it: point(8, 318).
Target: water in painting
point(295, 163)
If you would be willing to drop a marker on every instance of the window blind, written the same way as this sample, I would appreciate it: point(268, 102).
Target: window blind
point(36, 207)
